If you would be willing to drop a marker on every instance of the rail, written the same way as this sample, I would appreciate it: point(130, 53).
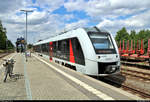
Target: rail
point(134, 90)
point(127, 87)
point(143, 65)
point(3, 54)
point(132, 73)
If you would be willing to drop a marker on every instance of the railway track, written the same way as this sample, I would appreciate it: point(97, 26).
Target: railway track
point(143, 65)
point(137, 74)
point(3, 55)
point(127, 87)
point(140, 92)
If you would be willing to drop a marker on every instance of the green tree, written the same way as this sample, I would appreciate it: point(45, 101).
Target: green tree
point(10, 45)
point(141, 35)
point(122, 35)
point(4, 43)
point(3, 36)
point(132, 35)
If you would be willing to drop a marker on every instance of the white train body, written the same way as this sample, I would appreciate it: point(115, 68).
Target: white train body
point(91, 51)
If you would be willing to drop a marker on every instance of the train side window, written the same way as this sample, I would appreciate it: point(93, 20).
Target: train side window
point(65, 49)
point(47, 48)
point(67, 46)
point(40, 48)
point(54, 46)
point(62, 46)
point(58, 51)
point(78, 52)
point(59, 45)
point(43, 46)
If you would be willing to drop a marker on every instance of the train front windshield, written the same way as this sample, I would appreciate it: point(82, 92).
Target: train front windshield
point(102, 43)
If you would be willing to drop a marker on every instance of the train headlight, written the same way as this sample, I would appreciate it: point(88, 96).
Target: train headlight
point(111, 69)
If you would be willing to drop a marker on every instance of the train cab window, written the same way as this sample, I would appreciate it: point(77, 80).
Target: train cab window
point(102, 43)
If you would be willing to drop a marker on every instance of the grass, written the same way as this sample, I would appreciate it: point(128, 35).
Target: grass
point(9, 50)
point(2, 51)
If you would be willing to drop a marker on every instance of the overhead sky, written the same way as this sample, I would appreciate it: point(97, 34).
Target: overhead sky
point(52, 16)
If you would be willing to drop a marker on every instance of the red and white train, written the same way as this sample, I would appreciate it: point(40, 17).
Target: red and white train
point(91, 51)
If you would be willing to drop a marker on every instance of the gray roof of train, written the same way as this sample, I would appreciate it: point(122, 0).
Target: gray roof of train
point(87, 29)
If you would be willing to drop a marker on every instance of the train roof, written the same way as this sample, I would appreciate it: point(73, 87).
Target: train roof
point(94, 29)
point(87, 29)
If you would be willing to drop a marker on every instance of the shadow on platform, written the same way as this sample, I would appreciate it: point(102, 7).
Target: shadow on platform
point(115, 80)
point(15, 77)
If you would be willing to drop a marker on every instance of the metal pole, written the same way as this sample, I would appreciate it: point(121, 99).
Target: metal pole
point(26, 36)
point(26, 11)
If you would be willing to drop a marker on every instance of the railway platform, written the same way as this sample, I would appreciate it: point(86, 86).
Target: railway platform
point(40, 79)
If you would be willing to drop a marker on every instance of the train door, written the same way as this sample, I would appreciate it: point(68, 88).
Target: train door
point(51, 50)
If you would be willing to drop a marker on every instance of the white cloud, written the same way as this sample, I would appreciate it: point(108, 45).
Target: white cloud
point(80, 23)
point(41, 24)
point(107, 13)
point(8, 6)
point(72, 5)
point(38, 17)
point(136, 22)
point(50, 5)
point(44, 23)
point(108, 8)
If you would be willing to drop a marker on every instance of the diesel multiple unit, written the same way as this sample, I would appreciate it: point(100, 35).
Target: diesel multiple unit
point(91, 51)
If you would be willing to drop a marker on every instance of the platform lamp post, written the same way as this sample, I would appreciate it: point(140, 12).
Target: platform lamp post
point(26, 11)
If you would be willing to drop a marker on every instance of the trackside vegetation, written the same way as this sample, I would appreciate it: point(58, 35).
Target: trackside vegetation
point(134, 36)
point(5, 44)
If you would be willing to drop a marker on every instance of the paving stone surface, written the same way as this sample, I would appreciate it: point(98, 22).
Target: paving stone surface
point(44, 83)
point(37, 81)
point(14, 89)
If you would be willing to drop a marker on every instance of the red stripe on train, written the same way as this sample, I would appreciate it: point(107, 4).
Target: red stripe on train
point(71, 53)
point(51, 50)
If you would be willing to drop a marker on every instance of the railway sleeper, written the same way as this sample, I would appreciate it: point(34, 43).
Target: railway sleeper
point(142, 92)
point(135, 75)
point(136, 65)
point(134, 71)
